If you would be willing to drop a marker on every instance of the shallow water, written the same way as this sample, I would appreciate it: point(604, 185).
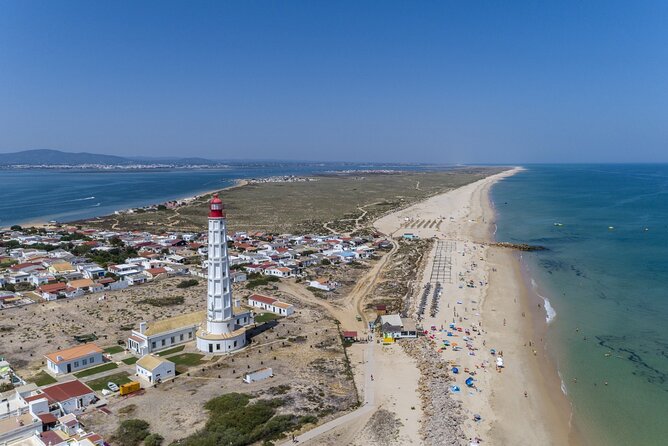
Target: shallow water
point(606, 277)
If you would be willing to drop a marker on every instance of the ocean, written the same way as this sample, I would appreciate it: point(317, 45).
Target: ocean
point(605, 278)
point(39, 195)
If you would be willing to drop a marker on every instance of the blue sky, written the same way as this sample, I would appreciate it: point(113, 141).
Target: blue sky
point(472, 82)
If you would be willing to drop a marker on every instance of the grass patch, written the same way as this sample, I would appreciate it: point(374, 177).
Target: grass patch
point(266, 317)
point(131, 360)
point(171, 350)
point(234, 420)
point(114, 349)
point(43, 379)
point(168, 301)
point(98, 369)
point(261, 280)
point(101, 383)
point(187, 359)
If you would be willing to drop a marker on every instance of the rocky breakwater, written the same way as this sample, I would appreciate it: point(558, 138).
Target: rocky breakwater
point(519, 246)
point(443, 415)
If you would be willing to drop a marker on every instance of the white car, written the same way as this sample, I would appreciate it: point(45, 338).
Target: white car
point(112, 386)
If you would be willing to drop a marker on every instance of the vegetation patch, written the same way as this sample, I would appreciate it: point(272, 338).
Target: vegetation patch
point(187, 283)
point(171, 351)
point(131, 433)
point(256, 281)
point(43, 379)
point(235, 421)
point(187, 359)
point(98, 369)
point(266, 317)
point(131, 360)
point(114, 349)
point(101, 383)
point(163, 301)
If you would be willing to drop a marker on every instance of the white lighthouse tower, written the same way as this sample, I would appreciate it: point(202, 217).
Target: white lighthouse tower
point(225, 330)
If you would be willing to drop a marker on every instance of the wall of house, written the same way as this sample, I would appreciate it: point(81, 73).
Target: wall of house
point(172, 338)
point(76, 364)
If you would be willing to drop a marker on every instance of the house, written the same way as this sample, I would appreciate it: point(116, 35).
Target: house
point(279, 272)
point(381, 309)
point(238, 276)
point(155, 369)
point(395, 326)
point(74, 359)
point(165, 333)
point(270, 304)
point(350, 336)
point(86, 285)
point(52, 291)
point(323, 284)
point(152, 273)
point(70, 397)
point(125, 269)
point(18, 277)
point(61, 268)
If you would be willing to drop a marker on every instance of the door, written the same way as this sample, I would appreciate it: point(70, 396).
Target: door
point(210, 348)
point(69, 368)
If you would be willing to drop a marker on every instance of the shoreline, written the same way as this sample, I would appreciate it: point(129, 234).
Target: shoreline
point(500, 314)
point(44, 224)
point(553, 404)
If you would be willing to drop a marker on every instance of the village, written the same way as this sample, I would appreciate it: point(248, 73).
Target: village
point(84, 370)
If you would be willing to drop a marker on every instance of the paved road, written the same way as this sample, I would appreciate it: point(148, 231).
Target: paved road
point(367, 406)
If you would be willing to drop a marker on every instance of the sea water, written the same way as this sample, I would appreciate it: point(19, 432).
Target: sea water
point(605, 281)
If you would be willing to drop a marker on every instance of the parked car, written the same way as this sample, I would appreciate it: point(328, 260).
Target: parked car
point(112, 386)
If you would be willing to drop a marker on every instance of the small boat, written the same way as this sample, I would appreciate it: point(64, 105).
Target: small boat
point(611, 228)
point(558, 224)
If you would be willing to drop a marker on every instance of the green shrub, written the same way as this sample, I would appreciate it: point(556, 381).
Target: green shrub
point(131, 432)
point(154, 440)
point(187, 283)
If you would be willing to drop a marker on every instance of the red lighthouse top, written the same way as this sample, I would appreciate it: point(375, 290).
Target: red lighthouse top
point(216, 207)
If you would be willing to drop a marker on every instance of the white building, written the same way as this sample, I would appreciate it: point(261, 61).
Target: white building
point(395, 326)
point(270, 304)
point(155, 369)
point(225, 331)
point(165, 333)
point(258, 375)
point(74, 359)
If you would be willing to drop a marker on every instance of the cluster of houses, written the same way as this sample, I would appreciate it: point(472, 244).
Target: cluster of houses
point(46, 416)
point(57, 272)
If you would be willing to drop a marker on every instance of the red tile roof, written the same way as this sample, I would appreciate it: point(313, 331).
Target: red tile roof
point(349, 334)
point(65, 391)
point(263, 299)
point(47, 418)
point(52, 287)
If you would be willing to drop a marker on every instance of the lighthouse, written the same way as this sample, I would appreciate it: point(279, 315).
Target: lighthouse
point(225, 328)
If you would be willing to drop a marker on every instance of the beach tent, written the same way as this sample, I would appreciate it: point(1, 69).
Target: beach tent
point(499, 361)
point(455, 370)
point(469, 382)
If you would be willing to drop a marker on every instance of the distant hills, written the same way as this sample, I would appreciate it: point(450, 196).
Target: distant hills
point(57, 157)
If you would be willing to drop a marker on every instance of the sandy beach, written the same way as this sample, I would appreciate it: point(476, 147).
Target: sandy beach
point(484, 305)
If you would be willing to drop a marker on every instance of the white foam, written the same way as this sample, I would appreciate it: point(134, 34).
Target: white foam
point(550, 312)
point(563, 384)
point(81, 199)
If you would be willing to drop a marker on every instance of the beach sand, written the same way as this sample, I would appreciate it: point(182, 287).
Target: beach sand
point(505, 316)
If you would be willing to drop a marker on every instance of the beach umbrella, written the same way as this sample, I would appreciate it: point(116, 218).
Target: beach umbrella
point(455, 370)
point(469, 382)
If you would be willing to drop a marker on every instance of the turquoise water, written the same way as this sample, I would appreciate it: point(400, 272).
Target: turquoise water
point(65, 195)
point(606, 277)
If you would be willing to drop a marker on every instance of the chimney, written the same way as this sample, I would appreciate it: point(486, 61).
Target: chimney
point(142, 327)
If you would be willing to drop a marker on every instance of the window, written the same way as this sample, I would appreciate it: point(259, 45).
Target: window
point(173, 339)
point(84, 361)
point(181, 337)
point(162, 342)
point(190, 335)
point(92, 359)
point(76, 363)
point(153, 344)
point(235, 343)
point(217, 346)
